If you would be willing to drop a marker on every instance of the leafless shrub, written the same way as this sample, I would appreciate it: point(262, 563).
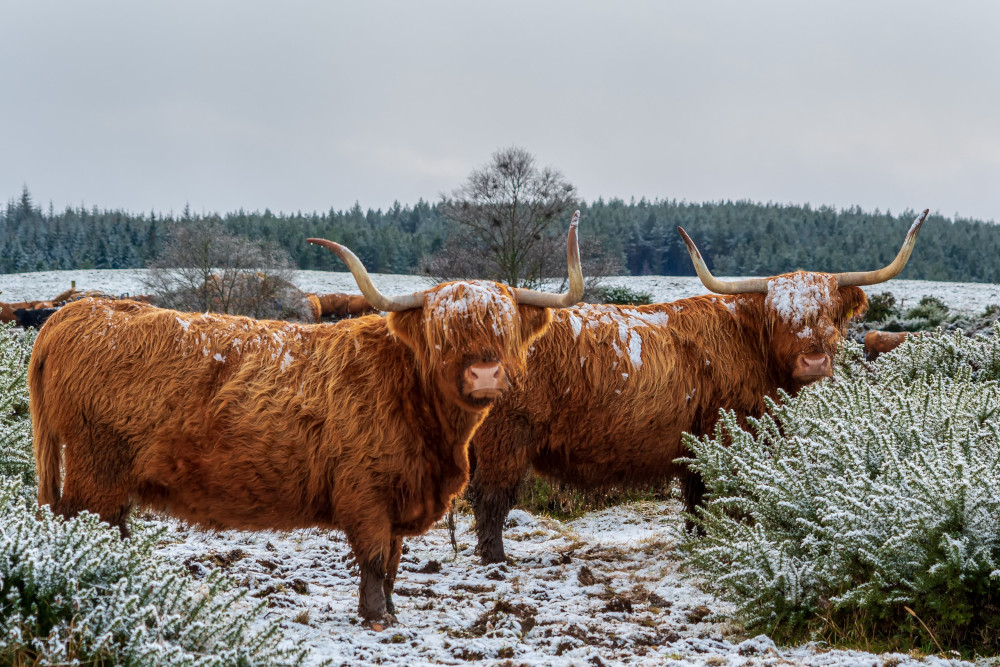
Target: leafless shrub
point(204, 268)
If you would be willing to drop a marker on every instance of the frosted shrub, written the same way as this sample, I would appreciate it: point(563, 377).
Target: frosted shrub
point(73, 591)
point(863, 496)
point(16, 458)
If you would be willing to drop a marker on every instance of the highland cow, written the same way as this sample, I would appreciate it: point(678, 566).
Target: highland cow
point(229, 422)
point(611, 389)
point(880, 342)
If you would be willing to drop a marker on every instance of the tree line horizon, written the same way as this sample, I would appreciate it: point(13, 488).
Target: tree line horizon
point(738, 237)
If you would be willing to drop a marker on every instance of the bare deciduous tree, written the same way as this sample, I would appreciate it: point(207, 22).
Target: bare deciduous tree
point(509, 211)
point(512, 219)
point(204, 268)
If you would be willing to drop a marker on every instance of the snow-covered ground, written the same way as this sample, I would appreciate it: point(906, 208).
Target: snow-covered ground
point(967, 297)
point(605, 589)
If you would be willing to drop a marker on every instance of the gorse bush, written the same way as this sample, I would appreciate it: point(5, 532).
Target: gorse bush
point(931, 309)
point(16, 458)
point(881, 307)
point(74, 592)
point(625, 296)
point(863, 497)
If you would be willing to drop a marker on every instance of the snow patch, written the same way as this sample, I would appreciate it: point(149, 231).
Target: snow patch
point(799, 297)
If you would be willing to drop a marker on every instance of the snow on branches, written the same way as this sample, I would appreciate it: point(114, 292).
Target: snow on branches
point(864, 495)
point(16, 458)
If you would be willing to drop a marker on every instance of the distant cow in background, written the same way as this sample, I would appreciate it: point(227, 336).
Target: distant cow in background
point(339, 305)
point(33, 317)
point(7, 310)
point(231, 422)
point(880, 342)
point(34, 313)
point(611, 389)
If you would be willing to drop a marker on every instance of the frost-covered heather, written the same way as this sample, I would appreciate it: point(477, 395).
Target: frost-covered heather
point(864, 495)
point(72, 592)
point(16, 459)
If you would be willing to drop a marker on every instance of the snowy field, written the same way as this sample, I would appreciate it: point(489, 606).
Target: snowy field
point(605, 589)
point(971, 298)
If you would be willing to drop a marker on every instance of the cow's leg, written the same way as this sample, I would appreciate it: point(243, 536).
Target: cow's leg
point(371, 541)
point(98, 478)
point(693, 492)
point(501, 451)
point(392, 567)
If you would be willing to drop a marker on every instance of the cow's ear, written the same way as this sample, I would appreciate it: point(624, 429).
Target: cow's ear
point(407, 325)
point(534, 321)
point(854, 302)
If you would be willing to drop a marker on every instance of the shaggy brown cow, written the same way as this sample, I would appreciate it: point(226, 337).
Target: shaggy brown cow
point(880, 342)
point(231, 422)
point(610, 389)
point(344, 305)
point(33, 317)
point(338, 305)
point(7, 309)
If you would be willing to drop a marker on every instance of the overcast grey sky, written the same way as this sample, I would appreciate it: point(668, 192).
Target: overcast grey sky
point(311, 105)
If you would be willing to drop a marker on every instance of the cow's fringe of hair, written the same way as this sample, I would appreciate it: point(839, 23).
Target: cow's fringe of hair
point(448, 329)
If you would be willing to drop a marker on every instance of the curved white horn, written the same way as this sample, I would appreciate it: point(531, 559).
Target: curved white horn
point(375, 298)
point(575, 292)
point(860, 278)
point(713, 283)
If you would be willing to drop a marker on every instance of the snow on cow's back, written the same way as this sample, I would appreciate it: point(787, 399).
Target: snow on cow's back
point(232, 337)
point(625, 322)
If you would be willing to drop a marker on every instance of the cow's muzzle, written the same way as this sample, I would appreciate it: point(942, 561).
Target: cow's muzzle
point(813, 366)
point(485, 380)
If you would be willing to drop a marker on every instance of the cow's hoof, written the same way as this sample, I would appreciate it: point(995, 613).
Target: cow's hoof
point(491, 558)
point(381, 623)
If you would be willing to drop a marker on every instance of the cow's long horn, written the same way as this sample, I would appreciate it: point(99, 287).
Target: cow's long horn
point(375, 298)
point(713, 283)
point(859, 278)
point(575, 292)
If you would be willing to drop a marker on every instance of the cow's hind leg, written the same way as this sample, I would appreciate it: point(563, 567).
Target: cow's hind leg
point(395, 553)
point(693, 491)
point(501, 460)
point(98, 478)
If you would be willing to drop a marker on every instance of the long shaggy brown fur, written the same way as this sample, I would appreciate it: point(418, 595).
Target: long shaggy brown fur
point(610, 389)
point(230, 422)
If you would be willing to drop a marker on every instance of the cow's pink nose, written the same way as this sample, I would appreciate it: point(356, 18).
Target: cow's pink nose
point(485, 380)
point(813, 366)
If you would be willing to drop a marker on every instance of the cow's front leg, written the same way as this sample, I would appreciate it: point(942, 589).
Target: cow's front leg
point(392, 567)
point(371, 542)
point(373, 604)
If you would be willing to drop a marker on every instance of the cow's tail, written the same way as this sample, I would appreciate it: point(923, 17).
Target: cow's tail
point(47, 449)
